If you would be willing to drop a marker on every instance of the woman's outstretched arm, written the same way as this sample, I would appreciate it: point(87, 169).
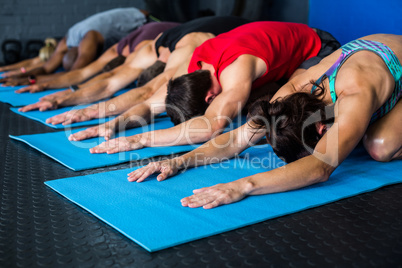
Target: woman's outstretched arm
point(224, 146)
point(335, 145)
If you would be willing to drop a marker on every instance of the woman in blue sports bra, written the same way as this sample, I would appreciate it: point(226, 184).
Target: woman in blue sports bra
point(313, 122)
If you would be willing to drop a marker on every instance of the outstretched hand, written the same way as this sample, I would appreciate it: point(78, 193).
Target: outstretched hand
point(57, 95)
point(166, 168)
point(10, 81)
point(121, 144)
point(220, 194)
point(105, 130)
point(72, 116)
point(9, 73)
point(42, 105)
point(31, 89)
point(48, 102)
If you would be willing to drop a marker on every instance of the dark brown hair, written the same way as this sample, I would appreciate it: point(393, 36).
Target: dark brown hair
point(150, 73)
point(115, 62)
point(284, 121)
point(186, 96)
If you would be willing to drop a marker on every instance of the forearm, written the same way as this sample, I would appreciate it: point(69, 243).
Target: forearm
point(100, 76)
point(115, 106)
point(196, 130)
point(12, 67)
point(134, 117)
point(84, 95)
point(301, 173)
point(122, 77)
point(223, 147)
point(36, 71)
point(113, 81)
point(214, 151)
point(131, 98)
point(25, 63)
point(96, 79)
point(63, 79)
point(49, 77)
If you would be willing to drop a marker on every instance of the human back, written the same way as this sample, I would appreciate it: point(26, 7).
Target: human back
point(391, 40)
point(112, 25)
point(265, 40)
point(366, 71)
point(365, 86)
point(376, 72)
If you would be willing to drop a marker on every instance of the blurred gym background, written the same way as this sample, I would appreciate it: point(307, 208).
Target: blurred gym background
point(25, 24)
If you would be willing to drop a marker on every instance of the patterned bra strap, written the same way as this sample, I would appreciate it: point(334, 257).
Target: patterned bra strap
point(380, 49)
point(331, 75)
point(352, 47)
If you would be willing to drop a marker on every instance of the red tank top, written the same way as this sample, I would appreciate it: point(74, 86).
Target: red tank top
point(282, 45)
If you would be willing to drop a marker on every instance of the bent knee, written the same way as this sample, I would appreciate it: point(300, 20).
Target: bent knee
point(379, 150)
point(380, 155)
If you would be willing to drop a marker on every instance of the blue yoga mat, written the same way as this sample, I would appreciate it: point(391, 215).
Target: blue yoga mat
point(2, 87)
point(150, 212)
point(8, 88)
point(22, 99)
point(76, 156)
point(42, 116)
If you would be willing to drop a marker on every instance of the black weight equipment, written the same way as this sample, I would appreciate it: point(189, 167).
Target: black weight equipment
point(11, 49)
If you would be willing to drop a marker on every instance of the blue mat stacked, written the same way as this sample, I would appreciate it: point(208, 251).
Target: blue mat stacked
point(22, 99)
point(57, 146)
point(76, 156)
point(8, 95)
point(7, 88)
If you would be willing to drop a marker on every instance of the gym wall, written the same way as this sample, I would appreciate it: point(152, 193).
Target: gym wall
point(26, 20)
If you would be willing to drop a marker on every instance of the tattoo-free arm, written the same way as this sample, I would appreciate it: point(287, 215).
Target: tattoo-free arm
point(136, 116)
point(349, 127)
point(236, 81)
point(224, 146)
point(77, 76)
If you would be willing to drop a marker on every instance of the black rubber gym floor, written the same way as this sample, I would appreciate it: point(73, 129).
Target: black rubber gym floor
point(39, 228)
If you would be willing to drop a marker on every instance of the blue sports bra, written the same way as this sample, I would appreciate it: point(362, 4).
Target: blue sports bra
point(390, 60)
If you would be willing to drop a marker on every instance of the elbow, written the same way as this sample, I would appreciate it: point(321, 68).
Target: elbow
point(144, 93)
point(202, 129)
point(107, 92)
point(216, 130)
point(210, 135)
point(206, 135)
point(322, 178)
point(322, 174)
point(109, 89)
point(319, 169)
point(42, 71)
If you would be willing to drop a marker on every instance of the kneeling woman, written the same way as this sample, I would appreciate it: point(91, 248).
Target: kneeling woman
point(362, 85)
